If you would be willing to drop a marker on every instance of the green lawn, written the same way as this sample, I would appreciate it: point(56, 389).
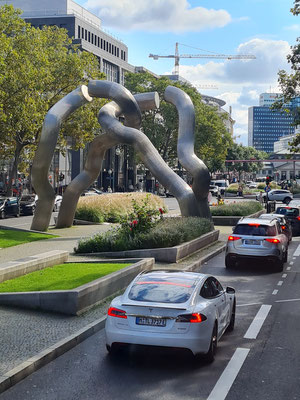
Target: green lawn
point(60, 277)
point(10, 237)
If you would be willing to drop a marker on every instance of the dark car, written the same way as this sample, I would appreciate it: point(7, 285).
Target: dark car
point(9, 206)
point(293, 215)
point(284, 223)
point(28, 204)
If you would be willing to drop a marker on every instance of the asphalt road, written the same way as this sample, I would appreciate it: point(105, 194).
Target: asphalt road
point(259, 360)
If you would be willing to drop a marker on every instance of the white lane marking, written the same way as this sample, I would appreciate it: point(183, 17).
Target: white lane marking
point(284, 275)
point(288, 268)
point(229, 374)
point(250, 304)
point(297, 251)
point(285, 301)
point(258, 321)
point(275, 291)
point(292, 262)
point(280, 283)
point(294, 258)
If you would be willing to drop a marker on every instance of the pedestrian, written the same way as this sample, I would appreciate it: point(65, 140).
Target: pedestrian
point(240, 190)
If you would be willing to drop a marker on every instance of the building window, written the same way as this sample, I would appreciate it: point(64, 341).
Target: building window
point(92, 38)
point(118, 52)
point(98, 39)
point(89, 37)
point(110, 48)
point(82, 33)
point(85, 34)
point(104, 44)
point(101, 45)
point(79, 30)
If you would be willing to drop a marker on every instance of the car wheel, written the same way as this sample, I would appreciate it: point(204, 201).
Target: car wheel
point(113, 349)
point(286, 200)
point(279, 265)
point(230, 327)
point(2, 214)
point(229, 263)
point(210, 355)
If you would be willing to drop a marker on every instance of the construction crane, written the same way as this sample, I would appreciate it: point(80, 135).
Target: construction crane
point(178, 56)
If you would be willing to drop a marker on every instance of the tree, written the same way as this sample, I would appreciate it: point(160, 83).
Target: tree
point(290, 82)
point(161, 126)
point(37, 68)
point(240, 152)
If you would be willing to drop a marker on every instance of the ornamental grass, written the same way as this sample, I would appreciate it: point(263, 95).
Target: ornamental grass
point(112, 207)
point(239, 209)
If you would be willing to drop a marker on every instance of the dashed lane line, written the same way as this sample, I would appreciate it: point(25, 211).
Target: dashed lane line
point(275, 291)
point(258, 321)
point(249, 304)
point(229, 374)
point(284, 275)
point(291, 262)
point(297, 251)
point(288, 268)
point(280, 283)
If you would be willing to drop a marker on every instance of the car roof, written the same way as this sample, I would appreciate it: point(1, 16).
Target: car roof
point(271, 216)
point(257, 221)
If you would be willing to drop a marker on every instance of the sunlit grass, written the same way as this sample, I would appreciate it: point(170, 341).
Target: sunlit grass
point(9, 237)
point(60, 277)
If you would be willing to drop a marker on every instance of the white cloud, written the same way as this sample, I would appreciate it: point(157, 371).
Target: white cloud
point(157, 15)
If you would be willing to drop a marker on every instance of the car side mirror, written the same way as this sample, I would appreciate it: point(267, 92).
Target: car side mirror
point(230, 290)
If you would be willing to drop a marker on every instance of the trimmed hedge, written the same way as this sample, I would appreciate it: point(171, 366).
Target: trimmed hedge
point(167, 232)
point(240, 209)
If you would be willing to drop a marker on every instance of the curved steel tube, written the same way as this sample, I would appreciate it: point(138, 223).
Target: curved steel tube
point(42, 160)
point(185, 147)
point(118, 133)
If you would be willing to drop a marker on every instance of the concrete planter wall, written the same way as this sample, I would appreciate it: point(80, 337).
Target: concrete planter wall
point(233, 220)
point(78, 300)
point(166, 254)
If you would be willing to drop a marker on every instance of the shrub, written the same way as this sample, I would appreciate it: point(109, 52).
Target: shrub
point(113, 207)
point(166, 232)
point(240, 209)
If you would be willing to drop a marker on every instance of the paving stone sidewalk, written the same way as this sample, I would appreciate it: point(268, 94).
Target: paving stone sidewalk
point(25, 333)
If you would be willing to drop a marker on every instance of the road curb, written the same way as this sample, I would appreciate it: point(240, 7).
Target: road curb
point(34, 363)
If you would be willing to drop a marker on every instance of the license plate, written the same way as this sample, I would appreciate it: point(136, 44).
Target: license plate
point(150, 321)
point(251, 241)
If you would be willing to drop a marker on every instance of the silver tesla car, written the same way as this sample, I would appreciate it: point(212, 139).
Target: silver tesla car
point(185, 310)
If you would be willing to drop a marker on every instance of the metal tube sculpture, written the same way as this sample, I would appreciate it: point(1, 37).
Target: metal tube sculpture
point(192, 201)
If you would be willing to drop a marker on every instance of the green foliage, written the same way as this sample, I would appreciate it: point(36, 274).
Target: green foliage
point(89, 214)
point(9, 237)
point(161, 126)
point(165, 233)
point(60, 277)
point(37, 68)
point(240, 209)
point(240, 152)
point(290, 83)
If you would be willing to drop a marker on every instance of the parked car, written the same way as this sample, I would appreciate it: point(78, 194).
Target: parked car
point(177, 309)
point(9, 206)
point(284, 223)
point(278, 195)
point(252, 185)
point(222, 184)
point(214, 190)
point(28, 204)
point(89, 193)
point(293, 215)
point(257, 239)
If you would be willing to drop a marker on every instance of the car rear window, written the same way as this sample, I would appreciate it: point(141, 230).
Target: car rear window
point(255, 230)
point(162, 289)
point(288, 211)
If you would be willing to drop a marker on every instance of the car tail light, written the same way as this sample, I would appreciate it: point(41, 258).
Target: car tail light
point(115, 312)
point(283, 227)
point(193, 318)
point(298, 218)
point(232, 238)
point(273, 240)
point(253, 224)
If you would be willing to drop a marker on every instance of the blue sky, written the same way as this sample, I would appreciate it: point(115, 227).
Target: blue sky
point(264, 28)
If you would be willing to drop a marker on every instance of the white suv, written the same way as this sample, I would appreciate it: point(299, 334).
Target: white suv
point(278, 195)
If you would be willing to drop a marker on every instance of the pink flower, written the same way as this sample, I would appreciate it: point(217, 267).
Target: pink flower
point(134, 222)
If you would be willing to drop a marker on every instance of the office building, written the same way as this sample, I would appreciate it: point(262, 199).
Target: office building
point(266, 126)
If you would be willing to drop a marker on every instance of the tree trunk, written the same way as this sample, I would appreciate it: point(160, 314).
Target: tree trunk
point(14, 170)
